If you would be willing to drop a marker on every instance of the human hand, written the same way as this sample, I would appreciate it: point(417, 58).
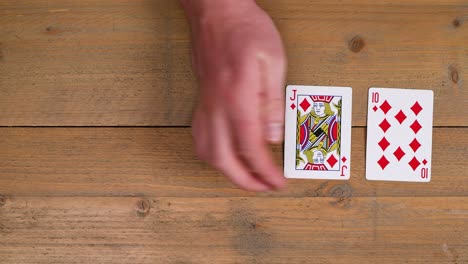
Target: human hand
point(239, 58)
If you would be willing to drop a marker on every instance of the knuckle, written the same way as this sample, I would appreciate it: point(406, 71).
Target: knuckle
point(224, 87)
point(232, 98)
point(223, 76)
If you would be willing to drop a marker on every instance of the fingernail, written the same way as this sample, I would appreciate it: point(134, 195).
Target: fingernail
point(275, 132)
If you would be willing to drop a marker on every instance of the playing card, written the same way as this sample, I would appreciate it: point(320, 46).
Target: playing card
point(399, 135)
point(317, 132)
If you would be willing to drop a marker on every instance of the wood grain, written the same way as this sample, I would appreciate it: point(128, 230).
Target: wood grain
point(233, 230)
point(160, 162)
point(102, 63)
point(139, 195)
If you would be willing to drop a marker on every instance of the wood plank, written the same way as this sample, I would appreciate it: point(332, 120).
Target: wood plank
point(234, 230)
point(123, 62)
point(160, 162)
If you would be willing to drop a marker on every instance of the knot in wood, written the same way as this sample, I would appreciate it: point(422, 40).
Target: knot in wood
point(453, 74)
point(343, 194)
point(356, 44)
point(456, 23)
point(341, 190)
point(3, 200)
point(143, 207)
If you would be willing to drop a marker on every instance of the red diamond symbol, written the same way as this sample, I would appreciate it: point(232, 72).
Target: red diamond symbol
point(416, 108)
point(414, 163)
point(383, 143)
point(424, 162)
point(385, 107)
point(399, 153)
point(384, 125)
point(344, 159)
point(383, 162)
point(293, 106)
point(415, 145)
point(375, 108)
point(305, 104)
point(400, 117)
point(332, 160)
point(415, 126)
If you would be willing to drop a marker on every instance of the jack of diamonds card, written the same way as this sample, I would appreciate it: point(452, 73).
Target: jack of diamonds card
point(318, 132)
point(399, 135)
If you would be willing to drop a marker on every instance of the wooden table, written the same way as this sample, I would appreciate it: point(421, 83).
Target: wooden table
point(96, 164)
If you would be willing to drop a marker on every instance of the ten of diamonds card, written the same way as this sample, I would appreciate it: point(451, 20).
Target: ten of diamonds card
point(399, 135)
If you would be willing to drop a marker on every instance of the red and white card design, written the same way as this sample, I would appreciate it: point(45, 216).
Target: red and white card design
point(318, 132)
point(399, 135)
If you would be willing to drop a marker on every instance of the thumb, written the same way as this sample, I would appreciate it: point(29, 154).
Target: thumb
point(273, 73)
